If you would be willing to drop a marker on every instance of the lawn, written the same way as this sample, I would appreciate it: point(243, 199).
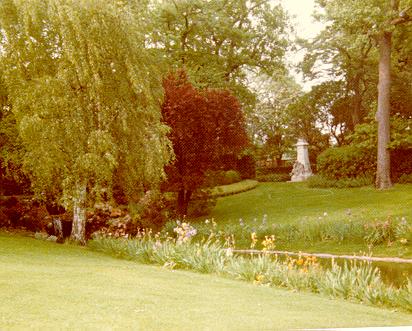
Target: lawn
point(295, 203)
point(49, 286)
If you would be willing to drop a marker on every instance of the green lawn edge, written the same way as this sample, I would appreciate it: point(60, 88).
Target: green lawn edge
point(235, 188)
point(50, 286)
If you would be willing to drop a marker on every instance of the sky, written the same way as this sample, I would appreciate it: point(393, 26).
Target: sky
point(301, 12)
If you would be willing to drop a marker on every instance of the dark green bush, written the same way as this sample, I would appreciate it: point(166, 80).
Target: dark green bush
point(152, 211)
point(273, 178)
point(246, 166)
point(405, 179)
point(201, 204)
point(274, 170)
point(401, 165)
point(201, 207)
point(319, 181)
point(231, 176)
point(346, 162)
point(21, 212)
point(217, 178)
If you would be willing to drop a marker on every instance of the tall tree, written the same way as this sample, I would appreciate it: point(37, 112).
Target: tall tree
point(371, 21)
point(218, 41)
point(384, 39)
point(205, 125)
point(86, 97)
point(343, 51)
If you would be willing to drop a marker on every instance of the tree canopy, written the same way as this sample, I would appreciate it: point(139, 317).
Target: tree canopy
point(205, 126)
point(85, 94)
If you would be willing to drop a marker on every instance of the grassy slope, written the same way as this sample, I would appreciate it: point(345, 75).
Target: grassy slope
point(294, 203)
point(49, 286)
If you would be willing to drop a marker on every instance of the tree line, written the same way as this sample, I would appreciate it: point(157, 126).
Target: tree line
point(129, 96)
point(88, 105)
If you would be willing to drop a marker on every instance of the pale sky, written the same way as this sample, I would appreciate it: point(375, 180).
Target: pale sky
point(304, 23)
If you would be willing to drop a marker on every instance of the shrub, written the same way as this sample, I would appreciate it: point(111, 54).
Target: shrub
point(405, 179)
point(152, 211)
point(319, 181)
point(232, 176)
point(220, 177)
point(401, 165)
point(346, 162)
point(274, 170)
point(246, 166)
point(380, 232)
point(201, 207)
point(273, 178)
point(23, 212)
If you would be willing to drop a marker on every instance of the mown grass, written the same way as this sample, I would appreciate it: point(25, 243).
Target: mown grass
point(235, 188)
point(48, 286)
point(273, 204)
point(294, 202)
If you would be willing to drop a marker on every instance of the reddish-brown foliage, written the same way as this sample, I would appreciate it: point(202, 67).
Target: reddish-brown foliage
point(205, 125)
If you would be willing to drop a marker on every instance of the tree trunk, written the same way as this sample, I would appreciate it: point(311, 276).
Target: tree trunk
point(383, 180)
point(183, 200)
point(79, 215)
point(357, 103)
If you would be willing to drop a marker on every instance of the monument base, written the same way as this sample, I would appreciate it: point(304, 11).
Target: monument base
point(300, 177)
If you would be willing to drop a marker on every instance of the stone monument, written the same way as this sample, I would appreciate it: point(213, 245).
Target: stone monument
point(301, 168)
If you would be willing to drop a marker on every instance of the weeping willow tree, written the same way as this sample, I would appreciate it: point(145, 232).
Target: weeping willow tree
point(85, 93)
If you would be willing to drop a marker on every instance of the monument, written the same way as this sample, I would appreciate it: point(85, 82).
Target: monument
point(301, 168)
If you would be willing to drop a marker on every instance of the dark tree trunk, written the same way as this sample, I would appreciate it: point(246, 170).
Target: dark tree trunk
point(383, 180)
point(183, 200)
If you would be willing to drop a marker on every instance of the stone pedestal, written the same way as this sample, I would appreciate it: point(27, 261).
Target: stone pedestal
point(301, 169)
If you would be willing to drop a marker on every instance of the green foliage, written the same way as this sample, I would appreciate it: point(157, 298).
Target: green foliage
point(365, 138)
point(235, 188)
point(304, 116)
point(344, 231)
point(217, 40)
point(346, 162)
point(151, 211)
point(380, 232)
point(201, 207)
point(85, 96)
point(320, 181)
point(220, 177)
point(231, 176)
point(273, 177)
point(274, 174)
point(246, 166)
point(269, 122)
point(405, 179)
point(22, 212)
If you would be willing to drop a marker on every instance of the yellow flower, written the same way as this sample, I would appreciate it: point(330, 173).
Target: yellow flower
point(259, 278)
point(253, 237)
point(269, 243)
point(403, 241)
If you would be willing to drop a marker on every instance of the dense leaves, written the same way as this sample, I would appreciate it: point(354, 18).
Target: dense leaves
point(205, 125)
point(85, 95)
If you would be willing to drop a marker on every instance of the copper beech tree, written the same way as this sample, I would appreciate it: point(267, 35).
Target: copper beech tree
point(205, 125)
